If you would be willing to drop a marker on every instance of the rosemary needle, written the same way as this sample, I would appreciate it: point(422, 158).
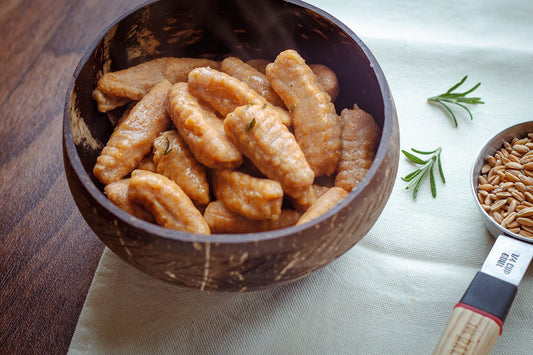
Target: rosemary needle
point(455, 98)
point(426, 168)
point(168, 148)
point(250, 125)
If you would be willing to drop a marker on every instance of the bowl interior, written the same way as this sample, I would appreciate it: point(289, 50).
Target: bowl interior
point(217, 29)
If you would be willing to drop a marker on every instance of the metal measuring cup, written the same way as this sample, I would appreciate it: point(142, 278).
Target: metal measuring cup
point(477, 320)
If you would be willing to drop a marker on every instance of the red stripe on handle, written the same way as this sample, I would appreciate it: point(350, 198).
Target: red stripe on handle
point(483, 313)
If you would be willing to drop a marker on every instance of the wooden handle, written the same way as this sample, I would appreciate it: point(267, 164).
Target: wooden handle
point(468, 332)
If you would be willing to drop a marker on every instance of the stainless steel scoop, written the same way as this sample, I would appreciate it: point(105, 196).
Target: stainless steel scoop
point(477, 320)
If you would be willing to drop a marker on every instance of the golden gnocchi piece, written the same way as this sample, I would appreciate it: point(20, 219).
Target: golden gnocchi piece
point(225, 93)
point(316, 125)
point(317, 191)
point(132, 139)
point(248, 196)
point(221, 220)
point(259, 134)
point(118, 193)
point(256, 80)
point(324, 203)
point(360, 140)
point(174, 160)
point(201, 129)
point(325, 76)
point(327, 79)
point(108, 102)
point(147, 163)
point(171, 207)
point(116, 88)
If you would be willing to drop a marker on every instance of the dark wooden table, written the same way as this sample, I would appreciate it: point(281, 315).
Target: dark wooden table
point(48, 254)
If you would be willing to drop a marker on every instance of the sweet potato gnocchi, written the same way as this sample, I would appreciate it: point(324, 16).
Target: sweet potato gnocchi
point(232, 146)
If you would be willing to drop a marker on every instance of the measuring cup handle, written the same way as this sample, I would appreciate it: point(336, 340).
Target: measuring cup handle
point(477, 320)
point(468, 332)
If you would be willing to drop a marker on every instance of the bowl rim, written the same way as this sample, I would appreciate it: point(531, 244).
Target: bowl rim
point(96, 194)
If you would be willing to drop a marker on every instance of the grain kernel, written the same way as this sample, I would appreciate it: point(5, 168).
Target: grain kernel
point(494, 180)
point(518, 195)
point(525, 233)
point(514, 165)
point(511, 177)
point(506, 185)
point(507, 146)
point(491, 173)
point(508, 219)
point(486, 187)
point(520, 186)
point(515, 156)
point(520, 148)
point(505, 152)
point(527, 228)
point(525, 221)
point(498, 205)
point(512, 205)
point(528, 158)
point(513, 224)
point(526, 212)
point(492, 161)
point(503, 195)
point(525, 179)
point(528, 166)
point(497, 217)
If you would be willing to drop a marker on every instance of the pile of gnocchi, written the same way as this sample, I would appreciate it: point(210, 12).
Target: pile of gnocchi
point(212, 147)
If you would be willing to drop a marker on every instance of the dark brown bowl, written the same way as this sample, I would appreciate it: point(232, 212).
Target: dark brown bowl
point(216, 29)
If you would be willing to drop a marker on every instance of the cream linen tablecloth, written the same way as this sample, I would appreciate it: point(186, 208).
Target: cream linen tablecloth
point(394, 291)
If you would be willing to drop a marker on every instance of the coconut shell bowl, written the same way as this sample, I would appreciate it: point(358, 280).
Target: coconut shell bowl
point(215, 30)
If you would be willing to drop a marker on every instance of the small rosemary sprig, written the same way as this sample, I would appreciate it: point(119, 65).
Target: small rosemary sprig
point(250, 125)
point(415, 178)
point(168, 148)
point(455, 98)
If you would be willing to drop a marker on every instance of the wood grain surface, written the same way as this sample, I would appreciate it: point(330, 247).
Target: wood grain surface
point(48, 254)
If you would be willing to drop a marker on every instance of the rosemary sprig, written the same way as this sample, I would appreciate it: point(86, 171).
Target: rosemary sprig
point(416, 177)
point(459, 99)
